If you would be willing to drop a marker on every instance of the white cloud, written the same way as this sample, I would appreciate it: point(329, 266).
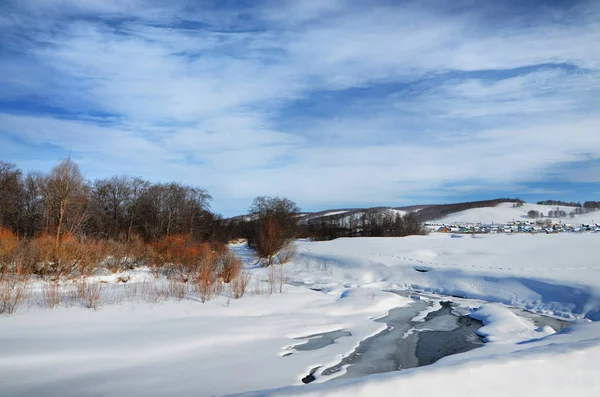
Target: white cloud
point(202, 105)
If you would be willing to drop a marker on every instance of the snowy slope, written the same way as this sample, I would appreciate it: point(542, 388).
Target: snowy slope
point(505, 212)
point(558, 274)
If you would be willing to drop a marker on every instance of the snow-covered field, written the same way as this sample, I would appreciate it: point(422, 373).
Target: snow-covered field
point(227, 346)
point(505, 212)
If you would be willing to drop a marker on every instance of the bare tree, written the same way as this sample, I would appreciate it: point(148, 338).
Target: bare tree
point(32, 211)
point(65, 198)
point(110, 199)
point(11, 194)
point(137, 188)
point(276, 225)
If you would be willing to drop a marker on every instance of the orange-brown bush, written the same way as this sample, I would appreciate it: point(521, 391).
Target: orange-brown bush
point(186, 260)
point(206, 279)
point(73, 257)
point(127, 253)
point(139, 252)
point(239, 285)
point(39, 254)
point(81, 256)
point(186, 257)
point(9, 244)
point(229, 266)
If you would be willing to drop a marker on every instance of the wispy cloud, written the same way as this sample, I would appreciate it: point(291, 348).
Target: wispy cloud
point(329, 102)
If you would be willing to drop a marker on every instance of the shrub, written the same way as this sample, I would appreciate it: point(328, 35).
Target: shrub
point(239, 284)
point(177, 289)
point(229, 266)
point(51, 294)
point(73, 257)
point(40, 255)
point(13, 292)
point(9, 244)
point(206, 281)
point(90, 293)
point(275, 225)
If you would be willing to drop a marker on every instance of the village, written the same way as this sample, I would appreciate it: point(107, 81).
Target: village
point(546, 226)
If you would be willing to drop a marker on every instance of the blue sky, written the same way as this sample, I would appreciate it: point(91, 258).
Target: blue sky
point(332, 103)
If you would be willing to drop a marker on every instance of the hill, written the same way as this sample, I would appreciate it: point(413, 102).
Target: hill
point(506, 212)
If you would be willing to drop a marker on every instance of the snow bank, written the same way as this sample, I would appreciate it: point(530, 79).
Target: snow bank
point(504, 326)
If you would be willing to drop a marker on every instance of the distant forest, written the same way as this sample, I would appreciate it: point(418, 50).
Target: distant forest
point(590, 205)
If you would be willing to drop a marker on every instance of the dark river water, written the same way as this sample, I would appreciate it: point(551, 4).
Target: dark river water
point(408, 344)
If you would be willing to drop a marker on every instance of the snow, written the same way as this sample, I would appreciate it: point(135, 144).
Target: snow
point(505, 212)
point(136, 347)
point(504, 326)
point(422, 315)
point(554, 274)
point(397, 212)
point(334, 213)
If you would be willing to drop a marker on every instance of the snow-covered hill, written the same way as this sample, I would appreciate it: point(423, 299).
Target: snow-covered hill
point(506, 212)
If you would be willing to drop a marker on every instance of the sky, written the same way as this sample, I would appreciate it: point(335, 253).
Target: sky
point(331, 103)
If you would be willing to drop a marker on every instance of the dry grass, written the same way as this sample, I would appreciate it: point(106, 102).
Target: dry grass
point(177, 289)
point(277, 278)
point(152, 292)
point(258, 290)
point(160, 292)
point(90, 293)
point(131, 290)
point(14, 290)
point(281, 278)
point(52, 295)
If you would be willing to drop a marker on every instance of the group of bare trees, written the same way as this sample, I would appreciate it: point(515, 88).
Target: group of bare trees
point(121, 208)
point(114, 208)
point(586, 207)
point(367, 223)
point(560, 202)
point(63, 204)
point(273, 225)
